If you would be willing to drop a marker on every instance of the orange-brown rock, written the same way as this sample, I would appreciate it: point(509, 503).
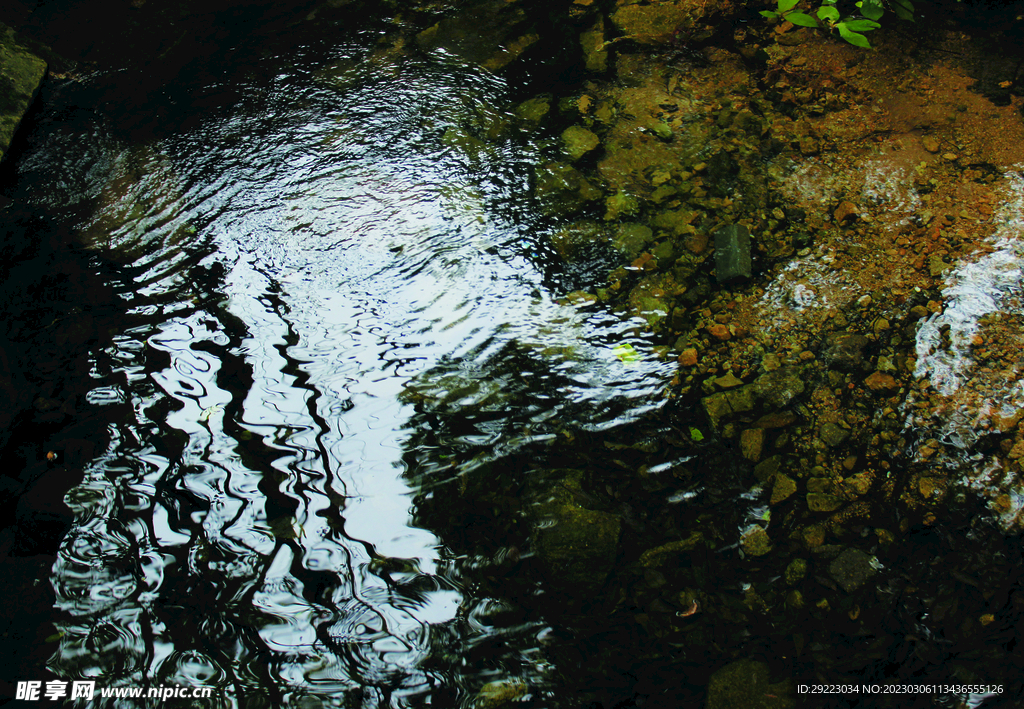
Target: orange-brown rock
point(879, 381)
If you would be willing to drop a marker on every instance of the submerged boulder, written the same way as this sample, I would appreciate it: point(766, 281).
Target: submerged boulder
point(577, 546)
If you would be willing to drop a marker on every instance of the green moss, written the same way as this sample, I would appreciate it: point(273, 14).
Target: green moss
point(21, 74)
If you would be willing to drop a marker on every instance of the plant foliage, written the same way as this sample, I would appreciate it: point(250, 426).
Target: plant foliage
point(851, 28)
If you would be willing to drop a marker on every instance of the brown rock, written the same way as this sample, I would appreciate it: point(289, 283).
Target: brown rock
point(688, 357)
point(720, 332)
point(846, 211)
point(881, 382)
point(930, 143)
point(1017, 451)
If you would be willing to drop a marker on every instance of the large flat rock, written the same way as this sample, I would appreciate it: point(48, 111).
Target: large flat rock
point(21, 74)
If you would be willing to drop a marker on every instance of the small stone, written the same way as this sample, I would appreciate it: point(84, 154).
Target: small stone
point(845, 351)
point(796, 571)
point(1017, 451)
point(833, 435)
point(930, 143)
point(783, 489)
point(851, 569)
point(814, 536)
point(918, 312)
point(881, 382)
point(688, 357)
point(864, 301)
point(756, 542)
point(720, 332)
point(927, 486)
point(936, 266)
point(846, 211)
point(858, 484)
point(752, 443)
point(820, 502)
point(949, 156)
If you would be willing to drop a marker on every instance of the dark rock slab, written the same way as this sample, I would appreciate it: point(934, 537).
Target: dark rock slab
point(732, 254)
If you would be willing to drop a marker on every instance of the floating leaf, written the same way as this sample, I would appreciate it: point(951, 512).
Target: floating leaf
point(626, 353)
point(696, 435)
point(210, 411)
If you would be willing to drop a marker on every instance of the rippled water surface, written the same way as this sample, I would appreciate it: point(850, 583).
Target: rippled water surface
point(312, 275)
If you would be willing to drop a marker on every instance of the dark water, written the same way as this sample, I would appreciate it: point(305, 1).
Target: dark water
point(314, 257)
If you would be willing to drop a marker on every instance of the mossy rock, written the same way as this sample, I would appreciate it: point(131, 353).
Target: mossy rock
point(631, 238)
point(576, 545)
point(499, 694)
point(656, 23)
point(533, 110)
point(570, 241)
point(562, 189)
point(21, 74)
point(744, 685)
point(578, 141)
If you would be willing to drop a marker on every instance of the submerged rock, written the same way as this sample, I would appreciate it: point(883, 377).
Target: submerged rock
point(732, 254)
point(744, 685)
point(578, 141)
point(21, 74)
point(577, 546)
point(852, 569)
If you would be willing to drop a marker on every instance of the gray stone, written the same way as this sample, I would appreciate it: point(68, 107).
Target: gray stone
point(732, 254)
point(780, 387)
point(852, 569)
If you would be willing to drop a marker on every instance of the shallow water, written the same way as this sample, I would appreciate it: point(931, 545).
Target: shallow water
point(300, 276)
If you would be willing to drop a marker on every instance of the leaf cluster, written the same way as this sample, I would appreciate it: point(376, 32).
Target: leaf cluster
point(850, 28)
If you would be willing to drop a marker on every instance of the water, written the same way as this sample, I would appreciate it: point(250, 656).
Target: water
point(307, 280)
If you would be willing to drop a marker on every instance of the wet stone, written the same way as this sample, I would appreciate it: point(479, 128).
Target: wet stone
point(756, 542)
point(783, 489)
point(732, 254)
point(833, 435)
point(796, 571)
point(820, 502)
point(578, 141)
point(631, 238)
point(851, 569)
point(845, 351)
point(779, 388)
point(752, 443)
point(764, 470)
point(881, 382)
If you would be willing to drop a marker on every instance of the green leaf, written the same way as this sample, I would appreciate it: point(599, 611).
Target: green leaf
point(626, 353)
point(696, 435)
point(853, 38)
point(872, 12)
point(801, 19)
point(827, 13)
point(904, 9)
point(861, 25)
point(785, 5)
point(769, 14)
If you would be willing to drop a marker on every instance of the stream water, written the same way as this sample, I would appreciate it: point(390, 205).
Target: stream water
point(299, 273)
